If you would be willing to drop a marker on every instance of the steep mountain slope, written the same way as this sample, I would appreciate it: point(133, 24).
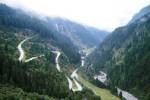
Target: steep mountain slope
point(142, 13)
point(19, 19)
point(125, 56)
point(39, 78)
point(82, 36)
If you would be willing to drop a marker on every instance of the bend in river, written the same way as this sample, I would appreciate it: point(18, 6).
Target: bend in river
point(126, 95)
point(74, 74)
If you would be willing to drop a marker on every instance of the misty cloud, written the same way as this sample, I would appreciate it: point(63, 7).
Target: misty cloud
point(104, 14)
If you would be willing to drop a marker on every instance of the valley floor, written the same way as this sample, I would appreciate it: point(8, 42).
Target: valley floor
point(103, 93)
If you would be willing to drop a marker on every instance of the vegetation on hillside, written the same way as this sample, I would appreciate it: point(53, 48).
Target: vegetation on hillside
point(10, 17)
point(37, 79)
point(125, 56)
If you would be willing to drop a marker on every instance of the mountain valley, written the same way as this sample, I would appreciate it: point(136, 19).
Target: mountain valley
point(53, 58)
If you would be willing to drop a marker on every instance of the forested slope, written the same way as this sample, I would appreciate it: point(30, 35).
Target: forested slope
point(20, 19)
point(125, 57)
point(37, 79)
point(81, 35)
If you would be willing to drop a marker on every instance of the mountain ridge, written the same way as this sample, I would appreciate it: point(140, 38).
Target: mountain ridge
point(39, 78)
point(124, 56)
point(82, 36)
point(140, 14)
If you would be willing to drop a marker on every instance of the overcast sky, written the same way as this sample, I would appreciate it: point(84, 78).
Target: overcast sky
point(103, 14)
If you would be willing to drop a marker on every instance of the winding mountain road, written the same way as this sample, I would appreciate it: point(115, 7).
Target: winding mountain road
point(30, 59)
point(74, 77)
point(70, 83)
point(79, 87)
point(56, 59)
point(102, 77)
point(22, 54)
point(74, 74)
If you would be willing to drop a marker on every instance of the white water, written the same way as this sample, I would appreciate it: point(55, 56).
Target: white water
point(57, 27)
point(82, 61)
point(126, 94)
point(56, 60)
point(101, 77)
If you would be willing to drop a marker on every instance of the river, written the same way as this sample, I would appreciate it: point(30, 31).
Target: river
point(102, 77)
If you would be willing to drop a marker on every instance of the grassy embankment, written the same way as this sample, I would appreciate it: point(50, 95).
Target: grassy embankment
point(103, 93)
